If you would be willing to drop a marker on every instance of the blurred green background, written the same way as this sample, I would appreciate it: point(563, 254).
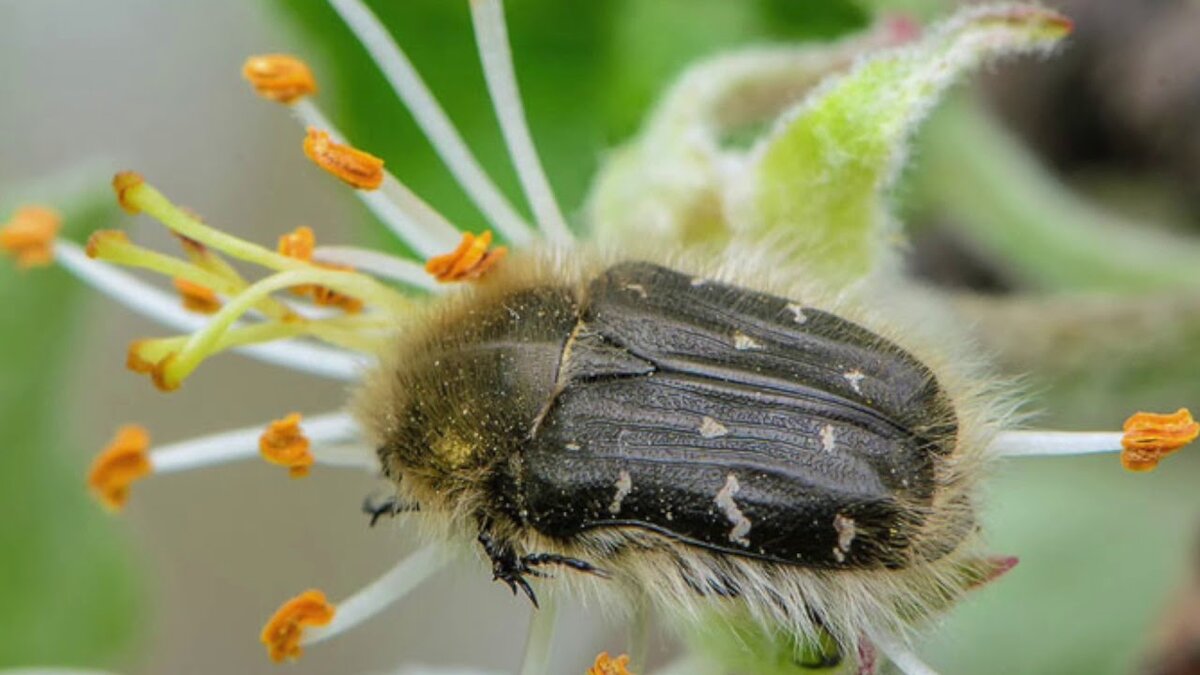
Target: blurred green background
point(182, 581)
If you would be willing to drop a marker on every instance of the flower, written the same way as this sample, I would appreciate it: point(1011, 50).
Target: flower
point(371, 293)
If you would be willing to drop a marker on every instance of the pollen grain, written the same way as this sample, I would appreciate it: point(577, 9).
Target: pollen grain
point(1150, 437)
point(30, 234)
point(469, 261)
point(284, 630)
point(122, 462)
point(358, 169)
point(279, 77)
point(284, 444)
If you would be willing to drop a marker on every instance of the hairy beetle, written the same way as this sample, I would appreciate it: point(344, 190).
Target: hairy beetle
point(681, 435)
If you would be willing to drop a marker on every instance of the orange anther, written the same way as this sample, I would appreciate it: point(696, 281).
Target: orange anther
point(467, 262)
point(607, 665)
point(279, 77)
point(285, 444)
point(122, 462)
point(30, 235)
point(136, 361)
point(284, 630)
point(299, 243)
point(1150, 437)
point(354, 167)
point(197, 298)
point(123, 182)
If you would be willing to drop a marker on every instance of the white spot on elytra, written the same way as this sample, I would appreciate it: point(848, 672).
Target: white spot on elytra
point(827, 437)
point(710, 428)
point(637, 288)
point(724, 500)
point(855, 378)
point(624, 486)
point(797, 313)
point(699, 281)
point(572, 446)
point(742, 342)
point(847, 530)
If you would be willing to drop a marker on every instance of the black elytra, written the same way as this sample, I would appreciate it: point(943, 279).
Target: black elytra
point(722, 418)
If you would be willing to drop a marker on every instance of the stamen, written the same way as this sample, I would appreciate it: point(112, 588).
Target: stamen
point(127, 457)
point(197, 298)
point(284, 444)
point(381, 593)
point(433, 120)
point(160, 306)
point(122, 462)
point(1149, 438)
point(285, 628)
point(280, 77)
point(467, 262)
point(491, 35)
point(378, 264)
point(205, 342)
point(30, 234)
point(606, 665)
point(358, 169)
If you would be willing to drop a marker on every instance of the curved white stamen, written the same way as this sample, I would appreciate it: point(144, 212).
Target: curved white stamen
point(433, 120)
point(1046, 443)
point(163, 307)
point(379, 264)
point(345, 455)
point(540, 642)
point(491, 35)
point(380, 594)
point(239, 444)
point(398, 207)
point(903, 658)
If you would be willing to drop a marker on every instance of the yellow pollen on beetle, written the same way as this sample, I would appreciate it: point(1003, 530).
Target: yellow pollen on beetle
point(300, 244)
point(469, 261)
point(123, 461)
point(284, 444)
point(284, 630)
point(1150, 437)
point(279, 77)
point(197, 298)
point(358, 169)
point(607, 665)
point(30, 234)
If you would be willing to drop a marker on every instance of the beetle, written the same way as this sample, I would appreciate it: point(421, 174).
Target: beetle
point(681, 435)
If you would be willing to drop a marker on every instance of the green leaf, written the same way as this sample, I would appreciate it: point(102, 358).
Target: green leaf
point(69, 589)
point(822, 175)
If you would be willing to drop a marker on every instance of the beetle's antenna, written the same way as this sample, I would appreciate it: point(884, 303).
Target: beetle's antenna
point(432, 119)
point(491, 35)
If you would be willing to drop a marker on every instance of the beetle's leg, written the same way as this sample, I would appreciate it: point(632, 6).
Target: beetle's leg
point(507, 566)
point(387, 507)
point(536, 559)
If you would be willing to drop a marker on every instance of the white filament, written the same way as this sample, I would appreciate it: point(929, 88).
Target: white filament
point(401, 210)
point(433, 121)
point(240, 444)
point(1048, 443)
point(379, 264)
point(165, 308)
point(540, 640)
point(380, 594)
point(491, 35)
point(903, 658)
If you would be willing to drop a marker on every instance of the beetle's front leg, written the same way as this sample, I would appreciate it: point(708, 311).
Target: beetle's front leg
point(507, 566)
